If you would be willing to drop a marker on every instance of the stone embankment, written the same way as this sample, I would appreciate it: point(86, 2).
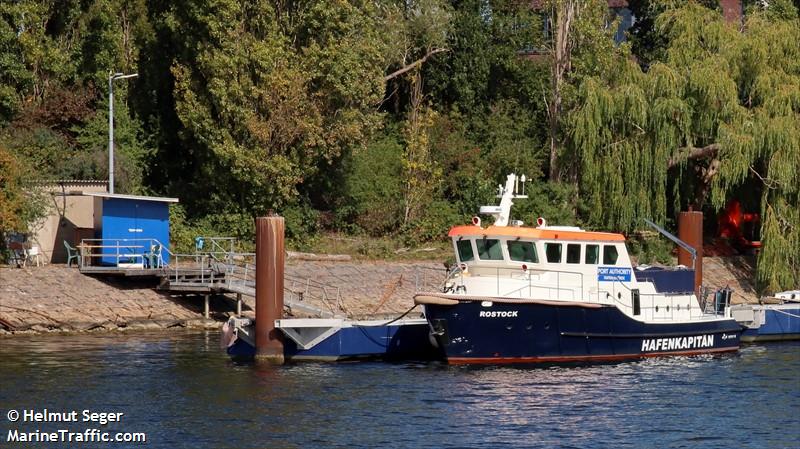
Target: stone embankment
point(57, 298)
point(736, 272)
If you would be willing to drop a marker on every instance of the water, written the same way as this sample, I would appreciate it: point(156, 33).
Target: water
point(181, 391)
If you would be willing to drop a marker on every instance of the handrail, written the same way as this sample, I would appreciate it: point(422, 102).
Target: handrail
point(197, 261)
point(671, 297)
point(652, 306)
point(457, 272)
point(217, 246)
point(673, 303)
point(140, 249)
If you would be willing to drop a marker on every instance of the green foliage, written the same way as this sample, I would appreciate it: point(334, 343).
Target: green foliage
point(131, 151)
point(182, 234)
point(266, 98)
point(421, 175)
point(731, 95)
point(650, 249)
point(431, 225)
point(483, 64)
point(468, 180)
point(184, 229)
point(52, 55)
point(509, 146)
point(242, 107)
point(12, 200)
point(302, 224)
point(21, 204)
point(373, 198)
point(555, 202)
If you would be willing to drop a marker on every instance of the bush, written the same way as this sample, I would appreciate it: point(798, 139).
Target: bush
point(432, 225)
point(302, 225)
point(183, 230)
point(373, 198)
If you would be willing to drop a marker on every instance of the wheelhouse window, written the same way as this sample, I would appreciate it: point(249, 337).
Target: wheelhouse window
point(553, 252)
point(465, 253)
point(592, 254)
point(573, 253)
point(522, 251)
point(610, 255)
point(489, 249)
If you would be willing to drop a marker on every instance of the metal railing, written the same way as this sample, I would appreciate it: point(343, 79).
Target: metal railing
point(220, 248)
point(144, 253)
point(431, 279)
point(190, 269)
point(526, 280)
point(236, 272)
point(678, 302)
point(303, 289)
point(240, 274)
point(649, 310)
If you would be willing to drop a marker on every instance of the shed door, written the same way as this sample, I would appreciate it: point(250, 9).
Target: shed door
point(119, 224)
point(152, 218)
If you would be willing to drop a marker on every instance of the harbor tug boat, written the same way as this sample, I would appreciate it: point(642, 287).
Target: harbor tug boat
point(558, 294)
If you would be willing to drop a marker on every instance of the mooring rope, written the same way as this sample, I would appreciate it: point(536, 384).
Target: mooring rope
point(785, 313)
point(389, 322)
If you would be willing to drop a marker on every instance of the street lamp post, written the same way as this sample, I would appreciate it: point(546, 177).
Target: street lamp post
point(111, 78)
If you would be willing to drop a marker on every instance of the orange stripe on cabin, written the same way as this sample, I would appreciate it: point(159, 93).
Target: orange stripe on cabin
point(533, 233)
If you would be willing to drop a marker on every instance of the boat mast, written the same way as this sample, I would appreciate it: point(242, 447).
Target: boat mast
point(502, 213)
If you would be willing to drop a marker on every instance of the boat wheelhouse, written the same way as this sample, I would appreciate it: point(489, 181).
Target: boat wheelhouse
point(559, 293)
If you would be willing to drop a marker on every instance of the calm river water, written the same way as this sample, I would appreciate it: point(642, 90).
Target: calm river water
point(182, 391)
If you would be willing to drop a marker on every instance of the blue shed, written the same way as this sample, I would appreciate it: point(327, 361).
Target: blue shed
point(136, 223)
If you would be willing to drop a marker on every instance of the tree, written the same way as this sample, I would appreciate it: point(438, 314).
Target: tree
point(580, 46)
point(52, 55)
point(20, 205)
point(563, 13)
point(720, 108)
point(269, 93)
point(11, 193)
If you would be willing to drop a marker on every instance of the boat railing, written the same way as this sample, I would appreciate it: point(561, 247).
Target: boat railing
point(525, 281)
point(433, 279)
point(306, 289)
point(563, 289)
point(649, 309)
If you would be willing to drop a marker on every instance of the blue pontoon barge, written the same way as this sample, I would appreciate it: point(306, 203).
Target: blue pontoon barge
point(775, 318)
point(337, 339)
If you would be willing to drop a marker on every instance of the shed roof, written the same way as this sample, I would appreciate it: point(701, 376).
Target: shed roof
point(131, 197)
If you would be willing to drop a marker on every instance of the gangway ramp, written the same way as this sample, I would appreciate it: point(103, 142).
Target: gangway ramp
point(234, 272)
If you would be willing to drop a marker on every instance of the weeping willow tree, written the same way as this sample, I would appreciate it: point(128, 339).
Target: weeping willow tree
point(721, 108)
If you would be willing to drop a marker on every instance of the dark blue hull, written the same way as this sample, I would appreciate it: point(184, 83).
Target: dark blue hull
point(468, 332)
point(397, 342)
